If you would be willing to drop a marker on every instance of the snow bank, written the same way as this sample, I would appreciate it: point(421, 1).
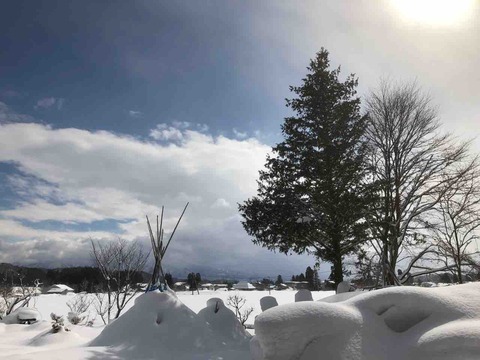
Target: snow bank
point(49, 338)
point(224, 323)
point(395, 324)
point(160, 326)
point(160, 321)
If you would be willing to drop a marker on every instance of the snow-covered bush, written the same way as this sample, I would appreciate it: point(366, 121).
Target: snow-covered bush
point(78, 306)
point(75, 318)
point(3, 309)
point(58, 324)
point(24, 315)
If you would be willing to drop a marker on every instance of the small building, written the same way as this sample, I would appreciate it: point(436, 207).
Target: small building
point(243, 285)
point(297, 285)
point(220, 286)
point(59, 289)
point(180, 286)
point(207, 286)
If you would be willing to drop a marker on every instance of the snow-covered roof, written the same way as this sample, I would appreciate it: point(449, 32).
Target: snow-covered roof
point(243, 285)
point(59, 288)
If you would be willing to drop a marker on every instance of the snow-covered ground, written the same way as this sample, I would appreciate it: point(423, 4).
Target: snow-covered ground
point(396, 323)
point(27, 342)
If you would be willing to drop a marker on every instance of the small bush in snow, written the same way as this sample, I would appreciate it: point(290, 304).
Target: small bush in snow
point(74, 318)
point(58, 323)
point(237, 302)
point(78, 307)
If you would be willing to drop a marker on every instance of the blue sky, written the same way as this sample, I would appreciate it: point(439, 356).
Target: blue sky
point(109, 109)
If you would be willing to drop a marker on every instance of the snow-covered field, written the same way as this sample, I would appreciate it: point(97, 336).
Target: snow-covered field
point(396, 323)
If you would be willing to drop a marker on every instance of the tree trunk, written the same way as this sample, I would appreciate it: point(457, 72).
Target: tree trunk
point(338, 269)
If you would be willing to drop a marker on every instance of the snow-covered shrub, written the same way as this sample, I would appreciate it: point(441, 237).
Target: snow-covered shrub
point(78, 306)
point(58, 324)
point(3, 309)
point(75, 318)
point(22, 315)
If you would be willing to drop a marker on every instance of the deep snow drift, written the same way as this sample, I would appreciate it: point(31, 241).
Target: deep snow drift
point(395, 324)
point(160, 326)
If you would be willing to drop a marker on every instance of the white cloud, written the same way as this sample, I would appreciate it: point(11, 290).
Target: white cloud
point(48, 102)
point(166, 133)
point(221, 203)
point(176, 131)
point(135, 113)
point(8, 116)
point(239, 134)
point(78, 176)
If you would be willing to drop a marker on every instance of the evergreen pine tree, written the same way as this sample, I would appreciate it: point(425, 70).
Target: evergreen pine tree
point(279, 280)
point(310, 196)
point(169, 280)
point(309, 277)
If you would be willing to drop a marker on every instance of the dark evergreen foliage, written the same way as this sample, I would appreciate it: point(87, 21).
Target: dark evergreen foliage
point(309, 275)
point(169, 280)
point(279, 280)
point(310, 197)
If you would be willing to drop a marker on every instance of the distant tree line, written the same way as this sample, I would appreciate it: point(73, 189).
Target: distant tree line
point(81, 278)
point(310, 276)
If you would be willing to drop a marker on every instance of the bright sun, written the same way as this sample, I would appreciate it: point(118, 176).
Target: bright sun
point(435, 12)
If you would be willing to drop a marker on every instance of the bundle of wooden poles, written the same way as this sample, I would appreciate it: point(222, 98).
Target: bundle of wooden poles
point(158, 282)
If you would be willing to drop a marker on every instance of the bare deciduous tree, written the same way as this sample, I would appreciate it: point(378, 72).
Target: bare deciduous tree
point(237, 302)
point(102, 305)
point(413, 166)
point(120, 263)
point(455, 222)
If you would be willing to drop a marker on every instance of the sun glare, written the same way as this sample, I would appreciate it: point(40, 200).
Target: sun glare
point(435, 12)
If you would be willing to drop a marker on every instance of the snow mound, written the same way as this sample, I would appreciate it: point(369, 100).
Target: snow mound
point(303, 295)
point(267, 302)
point(395, 324)
point(160, 326)
point(157, 320)
point(341, 297)
point(49, 338)
point(343, 287)
point(23, 315)
point(224, 323)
